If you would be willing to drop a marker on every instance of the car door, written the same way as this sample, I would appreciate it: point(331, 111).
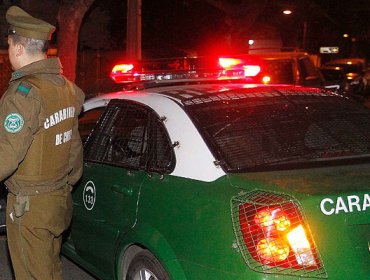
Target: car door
point(310, 76)
point(117, 157)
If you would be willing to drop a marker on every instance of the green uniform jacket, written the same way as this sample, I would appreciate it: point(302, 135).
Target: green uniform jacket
point(40, 147)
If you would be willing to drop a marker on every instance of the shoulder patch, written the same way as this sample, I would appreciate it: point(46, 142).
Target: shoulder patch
point(13, 123)
point(24, 88)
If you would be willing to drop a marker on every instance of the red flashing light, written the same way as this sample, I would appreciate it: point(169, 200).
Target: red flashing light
point(123, 68)
point(120, 72)
point(227, 63)
point(185, 68)
point(251, 70)
point(239, 66)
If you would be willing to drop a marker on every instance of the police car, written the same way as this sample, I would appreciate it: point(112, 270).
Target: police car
point(202, 175)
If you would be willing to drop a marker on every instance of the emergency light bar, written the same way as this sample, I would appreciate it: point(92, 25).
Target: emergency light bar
point(184, 69)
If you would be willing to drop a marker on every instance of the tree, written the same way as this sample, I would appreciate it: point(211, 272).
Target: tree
point(240, 18)
point(70, 16)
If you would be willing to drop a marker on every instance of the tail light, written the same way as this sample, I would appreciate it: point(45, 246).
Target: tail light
point(266, 79)
point(273, 235)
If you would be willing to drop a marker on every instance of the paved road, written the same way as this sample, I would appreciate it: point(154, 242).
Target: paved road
point(70, 270)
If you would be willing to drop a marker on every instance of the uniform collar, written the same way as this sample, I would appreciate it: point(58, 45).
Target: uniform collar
point(45, 66)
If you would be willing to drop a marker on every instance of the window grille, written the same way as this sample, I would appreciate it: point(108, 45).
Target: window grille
point(131, 136)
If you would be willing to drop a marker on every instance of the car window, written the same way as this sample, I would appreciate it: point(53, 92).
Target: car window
point(132, 136)
point(309, 74)
point(87, 121)
point(333, 74)
point(277, 130)
point(280, 71)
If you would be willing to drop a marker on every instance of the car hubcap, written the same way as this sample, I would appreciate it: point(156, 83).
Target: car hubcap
point(145, 274)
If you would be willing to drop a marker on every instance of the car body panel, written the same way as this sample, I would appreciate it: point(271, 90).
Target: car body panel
point(338, 200)
point(111, 191)
point(201, 166)
point(185, 217)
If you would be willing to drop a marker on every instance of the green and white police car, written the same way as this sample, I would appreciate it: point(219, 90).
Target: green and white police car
point(209, 177)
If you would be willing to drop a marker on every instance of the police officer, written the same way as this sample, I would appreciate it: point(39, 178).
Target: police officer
point(40, 149)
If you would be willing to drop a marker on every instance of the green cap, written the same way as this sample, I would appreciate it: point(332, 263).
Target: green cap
point(25, 25)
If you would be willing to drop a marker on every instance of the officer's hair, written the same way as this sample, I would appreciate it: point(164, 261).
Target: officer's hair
point(31, 45)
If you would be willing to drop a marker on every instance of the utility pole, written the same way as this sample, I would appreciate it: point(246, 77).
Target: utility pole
point(304, 36)
point(133, 47)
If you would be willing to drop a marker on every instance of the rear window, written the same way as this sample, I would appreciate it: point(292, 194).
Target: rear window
point(267, 129)
point(350, 68)
point(333, 75)
point(280, 71)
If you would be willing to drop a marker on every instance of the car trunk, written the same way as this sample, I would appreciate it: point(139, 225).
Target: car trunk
point(335, 202)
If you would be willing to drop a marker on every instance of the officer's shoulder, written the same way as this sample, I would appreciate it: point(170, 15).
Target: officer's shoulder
point(24, 88)
point(27, 87)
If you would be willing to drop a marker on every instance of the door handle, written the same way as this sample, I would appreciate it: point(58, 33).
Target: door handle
point(122, 189)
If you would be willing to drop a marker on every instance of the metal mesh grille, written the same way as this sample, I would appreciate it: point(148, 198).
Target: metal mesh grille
point(131, 136)
point(244, 208)
point(261, 128)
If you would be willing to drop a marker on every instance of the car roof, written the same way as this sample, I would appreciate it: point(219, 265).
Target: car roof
point(280, 55)
point(179, 94)
point(346, 61)
point(168, 103)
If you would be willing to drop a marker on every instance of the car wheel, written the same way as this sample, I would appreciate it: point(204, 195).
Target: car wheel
point(145, 266)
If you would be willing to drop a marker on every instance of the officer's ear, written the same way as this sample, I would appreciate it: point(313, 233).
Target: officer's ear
point(19, 49)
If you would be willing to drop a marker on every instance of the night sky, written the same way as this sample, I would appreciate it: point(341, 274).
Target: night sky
point(183, 27)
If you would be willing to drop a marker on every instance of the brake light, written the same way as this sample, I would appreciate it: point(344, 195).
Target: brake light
point(266, 79)
point(278, 235)
point(272, 250)
point(271, 229)
point(351, 76)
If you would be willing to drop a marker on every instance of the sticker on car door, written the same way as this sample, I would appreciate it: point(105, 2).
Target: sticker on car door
point(89, 195)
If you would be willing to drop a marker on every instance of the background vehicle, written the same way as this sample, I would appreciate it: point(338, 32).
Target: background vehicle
point(210, 177)
point(336, 79)
point(294, 68)
point(354, 69)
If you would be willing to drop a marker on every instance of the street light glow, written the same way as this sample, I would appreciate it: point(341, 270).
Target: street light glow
point(287, 12)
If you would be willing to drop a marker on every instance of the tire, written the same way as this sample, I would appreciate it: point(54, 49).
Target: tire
point(145, 266)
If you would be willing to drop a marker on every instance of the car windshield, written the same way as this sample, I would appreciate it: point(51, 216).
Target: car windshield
point(250, 130)
point(351, 68)
point(333, 74)
point(280, 71)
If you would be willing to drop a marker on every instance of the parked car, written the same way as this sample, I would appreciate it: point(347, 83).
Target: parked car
point(354, 69)
point(336, 80)
point(294, 68)
point(189, 175)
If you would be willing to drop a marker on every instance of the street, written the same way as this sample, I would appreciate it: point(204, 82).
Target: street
point(70, 270)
